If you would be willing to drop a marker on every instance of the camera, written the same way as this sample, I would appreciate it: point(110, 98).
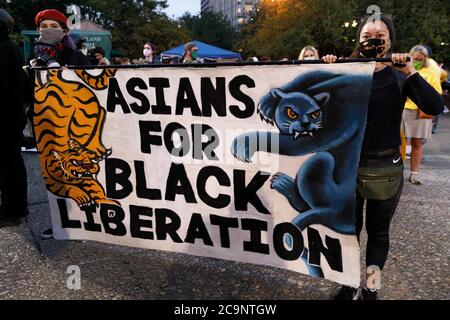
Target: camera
point(44, 54)
point(92, 58)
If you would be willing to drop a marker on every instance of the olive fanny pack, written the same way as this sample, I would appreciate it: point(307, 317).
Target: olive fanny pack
point(379, 179)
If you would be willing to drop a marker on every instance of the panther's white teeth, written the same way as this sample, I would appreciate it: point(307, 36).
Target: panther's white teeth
point(296, 134)
point(311, 134)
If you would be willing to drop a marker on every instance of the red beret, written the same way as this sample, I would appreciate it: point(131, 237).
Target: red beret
point(51, 14)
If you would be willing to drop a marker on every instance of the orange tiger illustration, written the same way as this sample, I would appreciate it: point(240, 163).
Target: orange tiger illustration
point(68, 123)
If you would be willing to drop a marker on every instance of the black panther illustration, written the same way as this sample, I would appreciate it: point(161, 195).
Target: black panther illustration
point(323, 113)
point(298, 114)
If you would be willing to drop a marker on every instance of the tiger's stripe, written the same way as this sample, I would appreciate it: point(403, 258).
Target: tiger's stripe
point(99, 82)
point(69, 111)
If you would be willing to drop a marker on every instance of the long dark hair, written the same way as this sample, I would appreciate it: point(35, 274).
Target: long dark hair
point(387, 19)
point(154, 48)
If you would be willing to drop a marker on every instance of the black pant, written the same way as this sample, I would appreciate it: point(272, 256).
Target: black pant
point(13, 181)
point(379, 214)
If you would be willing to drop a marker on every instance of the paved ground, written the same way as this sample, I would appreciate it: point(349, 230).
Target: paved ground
point(417, 268)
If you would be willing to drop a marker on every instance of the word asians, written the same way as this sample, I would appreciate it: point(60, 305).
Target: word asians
point(160, 223)
point(212, 96)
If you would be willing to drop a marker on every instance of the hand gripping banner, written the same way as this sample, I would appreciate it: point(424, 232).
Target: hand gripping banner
point(255, 164)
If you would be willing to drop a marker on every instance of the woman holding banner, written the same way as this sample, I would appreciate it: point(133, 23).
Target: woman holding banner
point(380, 173)
point(53, 48)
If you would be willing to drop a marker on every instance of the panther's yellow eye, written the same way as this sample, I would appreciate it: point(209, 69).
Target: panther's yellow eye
point(291, 113)
point(316, 114)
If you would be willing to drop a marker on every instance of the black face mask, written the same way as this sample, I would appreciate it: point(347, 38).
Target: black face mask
point(372, 47)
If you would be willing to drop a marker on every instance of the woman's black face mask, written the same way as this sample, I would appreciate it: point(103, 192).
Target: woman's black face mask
point(372, 47)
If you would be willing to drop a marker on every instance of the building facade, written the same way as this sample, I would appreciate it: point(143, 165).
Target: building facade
point(237, 11)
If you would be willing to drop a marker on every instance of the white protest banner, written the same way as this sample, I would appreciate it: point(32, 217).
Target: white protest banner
point(246, 163)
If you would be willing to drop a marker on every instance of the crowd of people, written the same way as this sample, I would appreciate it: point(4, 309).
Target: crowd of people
point(406, 94)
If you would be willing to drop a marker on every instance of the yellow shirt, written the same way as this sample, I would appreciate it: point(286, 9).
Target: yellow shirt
point(441, 73)
point(430, 76)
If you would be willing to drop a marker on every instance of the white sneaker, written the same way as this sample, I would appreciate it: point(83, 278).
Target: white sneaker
point(413, 178)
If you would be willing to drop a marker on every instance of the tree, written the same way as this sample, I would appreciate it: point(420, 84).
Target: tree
point(132, 23)
point(417, 22)
point(24, 11)
point(210, 27)
point(284, 27)
point(243, 43)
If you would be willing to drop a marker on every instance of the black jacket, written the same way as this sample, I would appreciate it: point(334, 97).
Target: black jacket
point(390, 89)
point(12, 116)
point(71, 57)
point(67, 57)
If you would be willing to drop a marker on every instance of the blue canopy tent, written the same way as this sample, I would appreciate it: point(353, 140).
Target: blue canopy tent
point(205, 51)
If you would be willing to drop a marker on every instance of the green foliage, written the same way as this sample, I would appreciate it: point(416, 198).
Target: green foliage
point(279, 29)
point(282, 28)
point(209, 27)
point(24, 11)
point(243, 43)
point(419, 22)
point(131, 22)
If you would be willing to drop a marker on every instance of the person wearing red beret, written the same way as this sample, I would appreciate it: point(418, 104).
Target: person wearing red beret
point(53, 48)
point(52, 15)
